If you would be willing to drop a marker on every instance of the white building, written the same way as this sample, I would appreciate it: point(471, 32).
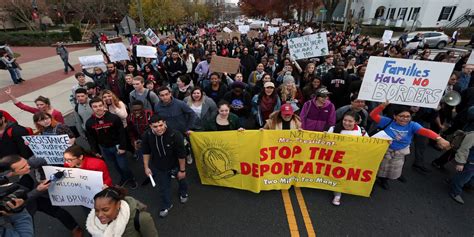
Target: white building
point(404, 13)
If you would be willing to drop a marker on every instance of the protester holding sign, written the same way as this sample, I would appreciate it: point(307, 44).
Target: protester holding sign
point(32, 177)
point(401, 129)
point(318, 114)
point(46, 125)
point(348, 125)
point(116, 214)
point(76, 157)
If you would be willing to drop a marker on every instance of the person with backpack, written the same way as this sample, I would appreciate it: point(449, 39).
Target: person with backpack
point(10, 65)
point(146, 96)
point(464, 160)
point(11, 141)
point(46, 125)
point(116, 214)
point(400, 129)
point(82, 111)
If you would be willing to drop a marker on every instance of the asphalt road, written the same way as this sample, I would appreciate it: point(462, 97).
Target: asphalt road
point(420, 207)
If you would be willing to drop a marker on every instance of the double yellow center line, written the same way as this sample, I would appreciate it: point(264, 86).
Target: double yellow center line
point(290, 214)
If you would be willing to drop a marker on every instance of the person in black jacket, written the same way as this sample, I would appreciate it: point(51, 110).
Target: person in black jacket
point(337, 82)
point(164, 154)
point(174, 67)
point(105, 133)
point(11, 141)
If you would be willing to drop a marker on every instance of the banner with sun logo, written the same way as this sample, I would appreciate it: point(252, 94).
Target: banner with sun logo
point(278, 159)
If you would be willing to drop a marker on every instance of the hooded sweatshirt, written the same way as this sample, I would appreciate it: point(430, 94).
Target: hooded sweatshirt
point(314, 118)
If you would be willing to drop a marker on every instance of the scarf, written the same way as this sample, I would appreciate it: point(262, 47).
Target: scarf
point(114, 229)
point(184, 88)
point(267, 105)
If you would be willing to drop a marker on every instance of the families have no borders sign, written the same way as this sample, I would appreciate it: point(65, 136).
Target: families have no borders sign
point(406, 82)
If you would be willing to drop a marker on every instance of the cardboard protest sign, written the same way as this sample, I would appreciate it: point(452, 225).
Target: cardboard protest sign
point(252, 34)
point(76, 188)
point(285, 24)
point(235, 34)
point(146, 51)
point(309, 46)
point(413, 45)
point(224, 64)
point(117, 52)
point(387, 36)
point(222, 36)
point(152, 37)
point(92, 61)
point(49, 147)
point(227, 30)
point(273, 30)
point(244, 29)
point(470, 60)
point(405, 82)
point(279, 159)
point(275, 21)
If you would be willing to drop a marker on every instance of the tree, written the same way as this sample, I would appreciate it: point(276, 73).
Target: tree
point(158, 12)
point(22, 10)
point(331, 6)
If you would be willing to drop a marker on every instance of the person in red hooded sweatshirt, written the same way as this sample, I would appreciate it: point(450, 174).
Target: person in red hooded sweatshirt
point(76, 157)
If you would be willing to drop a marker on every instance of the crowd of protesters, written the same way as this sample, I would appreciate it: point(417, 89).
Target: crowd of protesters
point(146, 108)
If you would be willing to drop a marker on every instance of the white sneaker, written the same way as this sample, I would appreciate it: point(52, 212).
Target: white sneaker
point(336, 201)
point(189, 159)
point(165, 212)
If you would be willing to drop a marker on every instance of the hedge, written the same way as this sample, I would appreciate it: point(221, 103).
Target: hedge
point(32, 38)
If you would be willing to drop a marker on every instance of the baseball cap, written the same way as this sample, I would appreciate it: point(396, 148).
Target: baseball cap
point(286, 110)
point(322, 92)
point(268, 84)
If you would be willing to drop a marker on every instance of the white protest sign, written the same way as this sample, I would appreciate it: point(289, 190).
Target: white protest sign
point(413, 45)
point(49, 147)
point(273, 30)
point(405, 82)
point(387, 36)
point(285, 24)
point(146, 51)
point(227, 30)
point(76, 188)
point(152, 37)
point(308, 46)
point(117, 52)
point(470, 60)
point(92, 61)
point(244, 29)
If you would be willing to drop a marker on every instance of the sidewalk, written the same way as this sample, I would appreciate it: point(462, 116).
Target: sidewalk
point(44, 77)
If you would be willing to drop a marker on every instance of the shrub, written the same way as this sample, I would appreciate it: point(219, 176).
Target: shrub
point(75, 33)
point(33, 38)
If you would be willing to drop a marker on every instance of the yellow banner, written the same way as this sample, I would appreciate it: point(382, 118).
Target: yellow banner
point(277, 159)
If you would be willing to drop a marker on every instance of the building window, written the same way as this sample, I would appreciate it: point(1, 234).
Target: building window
point(414, 15)
point(391, 13)
point(379, 12)
point(402, 12)
point(446, 13)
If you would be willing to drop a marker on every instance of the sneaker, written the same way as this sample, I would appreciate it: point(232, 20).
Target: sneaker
point(384, 184)
point(189, 159)
point(183, 199)
point(457, 198)
point(165, 212)
point(336, 201)
point(132, 184)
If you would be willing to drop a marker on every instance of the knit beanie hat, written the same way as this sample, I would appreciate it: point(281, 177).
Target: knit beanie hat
point(288, 78)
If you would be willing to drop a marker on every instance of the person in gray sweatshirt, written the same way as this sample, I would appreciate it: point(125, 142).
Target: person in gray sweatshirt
point(82, 111)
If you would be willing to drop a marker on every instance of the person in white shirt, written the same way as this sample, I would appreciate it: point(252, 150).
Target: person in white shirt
point(348, 126)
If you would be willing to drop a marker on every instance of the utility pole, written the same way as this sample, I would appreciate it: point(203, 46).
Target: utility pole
point(346, 14)
point(140, 14)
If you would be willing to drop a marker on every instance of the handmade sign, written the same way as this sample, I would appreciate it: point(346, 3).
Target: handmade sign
point(387, 36)
point(405, 82)
point(76, 188)
point(309, 46)
point(146, 51)
point(117, 52)
point(49, 147)
point(92, 61)
point(224, 64)
point(152, 37)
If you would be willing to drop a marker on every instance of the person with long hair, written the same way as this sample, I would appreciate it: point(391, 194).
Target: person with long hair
point(290, 93)
point(47, 125)
point(42, 104)
point(265, 103)
point(400, 129)
point(203, 106)
point(224, 120)
point(313, 85)
point(150, 74)
point(116, 214)
point(349, 126)
point(115, 106)
point(76, 157)
point(131, 68)
point(308, 74)
point(182, 88)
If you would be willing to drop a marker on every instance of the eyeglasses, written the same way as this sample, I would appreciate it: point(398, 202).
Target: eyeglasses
point(69, 160)
point(404, 116)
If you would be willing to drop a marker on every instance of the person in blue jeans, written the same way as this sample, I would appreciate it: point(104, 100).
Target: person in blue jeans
point(164, 154)
point(10, 65)
point(106, 135)
point(464, 160)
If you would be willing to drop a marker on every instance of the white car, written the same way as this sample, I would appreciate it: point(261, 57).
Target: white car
point(433, 39)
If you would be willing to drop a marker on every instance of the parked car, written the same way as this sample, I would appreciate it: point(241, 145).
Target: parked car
point(433, 39)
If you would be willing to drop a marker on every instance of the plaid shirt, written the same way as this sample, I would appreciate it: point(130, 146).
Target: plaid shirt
point(323, 69)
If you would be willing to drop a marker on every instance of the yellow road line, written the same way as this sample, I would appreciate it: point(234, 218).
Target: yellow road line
point(290, 214)
point(305, 213)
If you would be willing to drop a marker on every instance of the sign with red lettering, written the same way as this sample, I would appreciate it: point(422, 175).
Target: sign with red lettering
point(405, 82)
